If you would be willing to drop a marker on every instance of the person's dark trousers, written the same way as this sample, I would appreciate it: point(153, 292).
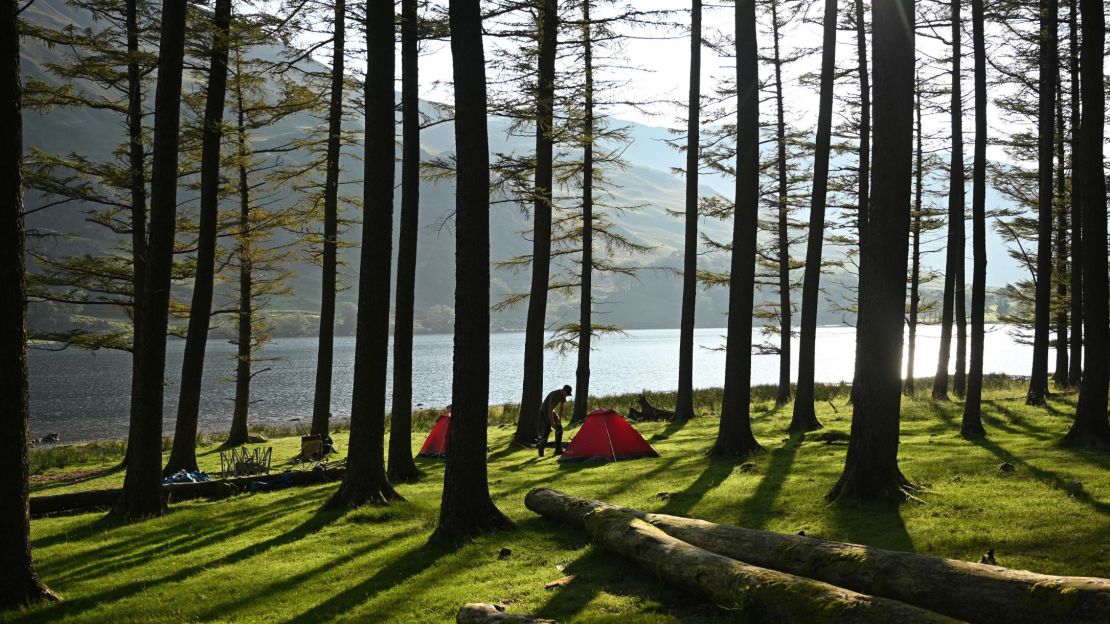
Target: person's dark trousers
point(545, 431)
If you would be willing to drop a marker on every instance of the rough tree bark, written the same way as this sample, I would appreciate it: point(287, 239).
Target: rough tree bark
point(1092, 425)
point(871, 469)
point(402, 468)
point(141, 496)
point(863, 194)
point(734, 437)
point(1075, 366)
point(954, 259)
point(972, 425)
point(684, 403)
point(19, 582)
point(804, 417)
point(244, 313)
point(974, 592)
point(366, 480)
point(532, 392)
point(325, 351)
point(183, 455)
point(759, 594)
point(136, 173)
point(1046, 134)
point(915, 250)
point(586, 300)
point(1060, 376)
point(783, 395)
point(466, 509)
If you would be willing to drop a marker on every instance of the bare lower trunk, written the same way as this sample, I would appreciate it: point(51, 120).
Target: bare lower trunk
point(734, 437)
point(466, 509)
point(1046, 129)
point(19, 582)
point(972, 425)
point(804, 417)
point(1092, 425)
point(871, 468)
point(238, 433)
point(585, 314)
point(183, 456)
point(1060, 209)
point(784, 394)
point(325, 352)
point(532, 391)
point(402, 468)
point(915, 251)
point(684, 403)
point(141, 495)
point(366, 481)
point(1075, 366)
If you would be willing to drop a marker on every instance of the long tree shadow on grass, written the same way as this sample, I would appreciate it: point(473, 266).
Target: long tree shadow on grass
point(1073, 489)
point(394, 573)
point(75, 607)
point(597, 571)
point(1011, 421)
point(715, 472)
point(757, 509)
point(879, 525)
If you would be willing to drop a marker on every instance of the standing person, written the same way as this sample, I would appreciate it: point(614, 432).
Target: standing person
point(555, 400)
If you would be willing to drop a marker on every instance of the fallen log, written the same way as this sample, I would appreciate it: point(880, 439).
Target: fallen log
point(648, 412)
point(479, 613)
point(93, 500)
point(974, 592)
point(760, 594)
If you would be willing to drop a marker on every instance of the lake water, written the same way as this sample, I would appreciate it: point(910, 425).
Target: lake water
point(86, 395)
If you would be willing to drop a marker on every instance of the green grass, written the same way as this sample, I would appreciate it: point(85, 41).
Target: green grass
point(275, 557)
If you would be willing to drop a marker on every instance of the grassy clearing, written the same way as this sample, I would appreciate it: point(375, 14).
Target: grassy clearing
point(274, 557)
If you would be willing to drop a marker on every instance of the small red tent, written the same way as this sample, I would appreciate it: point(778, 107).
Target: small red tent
point(606, 436)
point(435, 445)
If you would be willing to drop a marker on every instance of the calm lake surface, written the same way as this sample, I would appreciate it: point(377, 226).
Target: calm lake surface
point(86, 395)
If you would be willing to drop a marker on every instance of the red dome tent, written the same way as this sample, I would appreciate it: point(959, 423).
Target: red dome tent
point(606, 436)
point(435, 445)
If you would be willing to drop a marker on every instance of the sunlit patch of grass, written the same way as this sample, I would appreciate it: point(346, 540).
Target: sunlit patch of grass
point(275, 557)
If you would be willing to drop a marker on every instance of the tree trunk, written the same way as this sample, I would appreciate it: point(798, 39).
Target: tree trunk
point(136, 165)
point(972, 425)
point(759, 594)
point(734, 437)
point(183, 456)
point(804, 416)
point(864, 192)
point(245, 321)
point(974, 592)
point(1046, 128)
point(871, 469)
point(585, 318)
point(684, 404)
point(1092, 425)
point(19, 582)
point(783, 395)
point(466, 509)
point(915, 250)
point(959, 378)
point(864, 173)
point(141, 496)
point(1075, 366)
point(1060, 376)
point(366, 480)
point(532, 392)
point(401, 466)
point(954, 259)
point(325, 352)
